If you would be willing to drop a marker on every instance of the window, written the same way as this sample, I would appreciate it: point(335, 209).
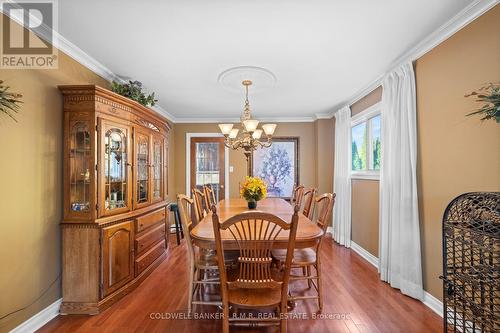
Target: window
point(366, 144)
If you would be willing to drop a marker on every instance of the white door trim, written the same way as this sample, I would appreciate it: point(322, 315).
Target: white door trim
point(188, 160)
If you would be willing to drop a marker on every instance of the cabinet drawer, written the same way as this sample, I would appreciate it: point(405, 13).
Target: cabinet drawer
point(150, 219)
point(149, 257)
point(149, 238)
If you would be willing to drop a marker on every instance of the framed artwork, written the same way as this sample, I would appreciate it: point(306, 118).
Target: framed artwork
point(278, 166)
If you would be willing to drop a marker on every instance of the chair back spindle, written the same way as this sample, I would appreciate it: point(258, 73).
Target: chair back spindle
point(199, 202)
point(324, 206)
point(209, 196)
point(186, 207)
point(255, 233)
point(297, 195)
point(308, 209)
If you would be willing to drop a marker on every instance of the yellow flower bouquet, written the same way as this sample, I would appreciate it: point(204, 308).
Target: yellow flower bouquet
point(253, 189)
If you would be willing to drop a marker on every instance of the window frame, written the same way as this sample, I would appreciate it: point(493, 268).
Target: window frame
point(365, 116)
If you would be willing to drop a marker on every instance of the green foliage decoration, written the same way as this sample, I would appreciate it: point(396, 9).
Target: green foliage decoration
point(9, 101)
point(133, 90)
point(490, 96)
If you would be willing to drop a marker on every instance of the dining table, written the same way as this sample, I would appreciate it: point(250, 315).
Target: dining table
point(308, 233)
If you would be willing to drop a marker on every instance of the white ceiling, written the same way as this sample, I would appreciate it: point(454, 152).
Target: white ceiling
point(321, 52)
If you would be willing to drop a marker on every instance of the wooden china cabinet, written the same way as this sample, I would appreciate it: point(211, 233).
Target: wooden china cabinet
point(115, 204)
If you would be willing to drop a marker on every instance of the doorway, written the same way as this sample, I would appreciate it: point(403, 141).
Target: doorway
point(207, 163)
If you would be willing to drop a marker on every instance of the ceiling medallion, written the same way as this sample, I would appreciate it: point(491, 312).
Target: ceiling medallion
point(262, 78)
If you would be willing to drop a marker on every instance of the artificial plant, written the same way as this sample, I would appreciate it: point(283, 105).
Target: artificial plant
point(133, 90)
point(9, 101)
point(490, 96)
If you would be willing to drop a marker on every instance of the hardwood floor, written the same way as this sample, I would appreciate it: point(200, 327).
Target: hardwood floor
point(355, 301)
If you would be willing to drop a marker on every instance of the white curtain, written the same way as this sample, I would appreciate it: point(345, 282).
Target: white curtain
point(399, 239)
point(342, 178)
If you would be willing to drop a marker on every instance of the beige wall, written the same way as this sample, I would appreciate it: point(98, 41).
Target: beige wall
point(324, 156)
point(372, 98)
point(305, 132)
point(171, 194)
point(325, 142)
point(456, 153)
point(364, 214)
point(31, 195)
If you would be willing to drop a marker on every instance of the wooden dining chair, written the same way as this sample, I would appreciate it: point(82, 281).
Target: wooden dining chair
point(297, 195)
point(254, 285)
point(209, 196)
point(199, 202)
point(308, 258)
point(308, 200)
point(203, 267)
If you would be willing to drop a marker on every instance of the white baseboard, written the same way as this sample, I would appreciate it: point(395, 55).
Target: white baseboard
point(364, 254)
point(430, 301)
point(433, 303)
point(40, 319)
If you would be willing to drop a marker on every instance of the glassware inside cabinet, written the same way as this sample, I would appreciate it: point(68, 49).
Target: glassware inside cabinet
point(142, 168)
point(115, 169)
point(79, 164)
point(157, 166)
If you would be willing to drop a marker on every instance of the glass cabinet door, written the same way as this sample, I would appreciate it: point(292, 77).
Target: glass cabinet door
point(79, 167)
point(142, 175)
point(116, 169)
point(157, 174)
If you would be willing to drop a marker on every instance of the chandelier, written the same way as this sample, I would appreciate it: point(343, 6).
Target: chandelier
point(249, 138)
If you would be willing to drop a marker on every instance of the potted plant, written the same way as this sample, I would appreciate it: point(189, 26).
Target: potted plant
point(253, 189)
point(133, 90)
point(490, 96)
point(9, 101)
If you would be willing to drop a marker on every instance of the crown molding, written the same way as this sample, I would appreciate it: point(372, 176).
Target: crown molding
point(163, 112)
point(463, 18)
point(64, 45)
point(67, 47)
point(237, 120)
point(85, 59)
point(324, 115)
point(445, 31)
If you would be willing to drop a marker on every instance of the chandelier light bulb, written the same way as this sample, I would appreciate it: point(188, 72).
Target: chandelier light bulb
point(233, 133)
point(250, 125)
point(225, 128)
point(257, 134)
point(269, 129)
